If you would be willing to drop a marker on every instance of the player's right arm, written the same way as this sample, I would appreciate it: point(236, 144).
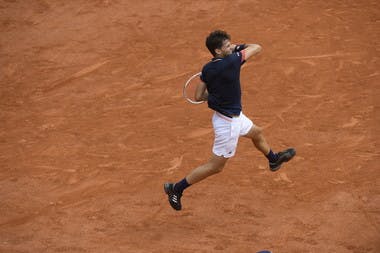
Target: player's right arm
point(250, 50)
point(201, 93)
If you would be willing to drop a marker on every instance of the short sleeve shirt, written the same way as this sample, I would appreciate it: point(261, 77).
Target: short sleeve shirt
point(222, 78)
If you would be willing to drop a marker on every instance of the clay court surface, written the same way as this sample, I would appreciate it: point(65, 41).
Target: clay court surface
point(92, 123)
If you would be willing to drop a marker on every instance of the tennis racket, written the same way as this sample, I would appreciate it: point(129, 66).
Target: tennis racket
point(190, 88)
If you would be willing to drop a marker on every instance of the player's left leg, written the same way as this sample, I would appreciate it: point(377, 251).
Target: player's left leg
point(258, 139)
point(275, 159)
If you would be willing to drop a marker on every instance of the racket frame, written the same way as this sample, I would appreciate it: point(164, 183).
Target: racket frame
point(184, 94)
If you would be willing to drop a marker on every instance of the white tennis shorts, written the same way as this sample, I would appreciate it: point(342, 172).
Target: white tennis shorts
point(227, 132)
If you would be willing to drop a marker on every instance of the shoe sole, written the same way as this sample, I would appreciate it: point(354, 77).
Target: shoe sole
point(292, 152)
point(166, 188)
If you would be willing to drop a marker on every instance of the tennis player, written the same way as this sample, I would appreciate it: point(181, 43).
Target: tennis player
point(220, 87)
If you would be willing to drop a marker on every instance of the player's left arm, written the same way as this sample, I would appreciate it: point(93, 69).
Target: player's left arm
point(201, 93)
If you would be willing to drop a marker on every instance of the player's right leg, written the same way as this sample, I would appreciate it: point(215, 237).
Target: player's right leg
point(213, 166)
point(174, 191)
point(225, 143)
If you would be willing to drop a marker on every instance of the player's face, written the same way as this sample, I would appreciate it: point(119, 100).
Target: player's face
point(227, 48)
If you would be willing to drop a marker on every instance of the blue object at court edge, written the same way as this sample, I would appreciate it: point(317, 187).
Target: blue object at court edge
point(264, 251)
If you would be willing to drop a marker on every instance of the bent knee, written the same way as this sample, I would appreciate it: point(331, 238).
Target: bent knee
point(255, 132)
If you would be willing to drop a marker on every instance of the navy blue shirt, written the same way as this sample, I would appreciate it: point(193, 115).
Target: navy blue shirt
point(222, 78)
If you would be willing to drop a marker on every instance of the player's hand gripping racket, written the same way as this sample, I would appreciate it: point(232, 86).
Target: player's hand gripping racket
point(190, 88)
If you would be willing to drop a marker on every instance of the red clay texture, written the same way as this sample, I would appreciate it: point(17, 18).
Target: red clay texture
point(92, 123)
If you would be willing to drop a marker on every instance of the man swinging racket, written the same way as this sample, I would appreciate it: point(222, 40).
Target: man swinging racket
point(220, 87)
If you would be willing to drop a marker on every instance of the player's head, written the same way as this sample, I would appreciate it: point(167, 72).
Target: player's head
point(218, 43)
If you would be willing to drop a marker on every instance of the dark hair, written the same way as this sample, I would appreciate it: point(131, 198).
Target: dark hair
point(215, 40)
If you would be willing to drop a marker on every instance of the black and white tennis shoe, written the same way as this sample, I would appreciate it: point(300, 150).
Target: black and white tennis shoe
point(173, 196)
point(283, 156)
